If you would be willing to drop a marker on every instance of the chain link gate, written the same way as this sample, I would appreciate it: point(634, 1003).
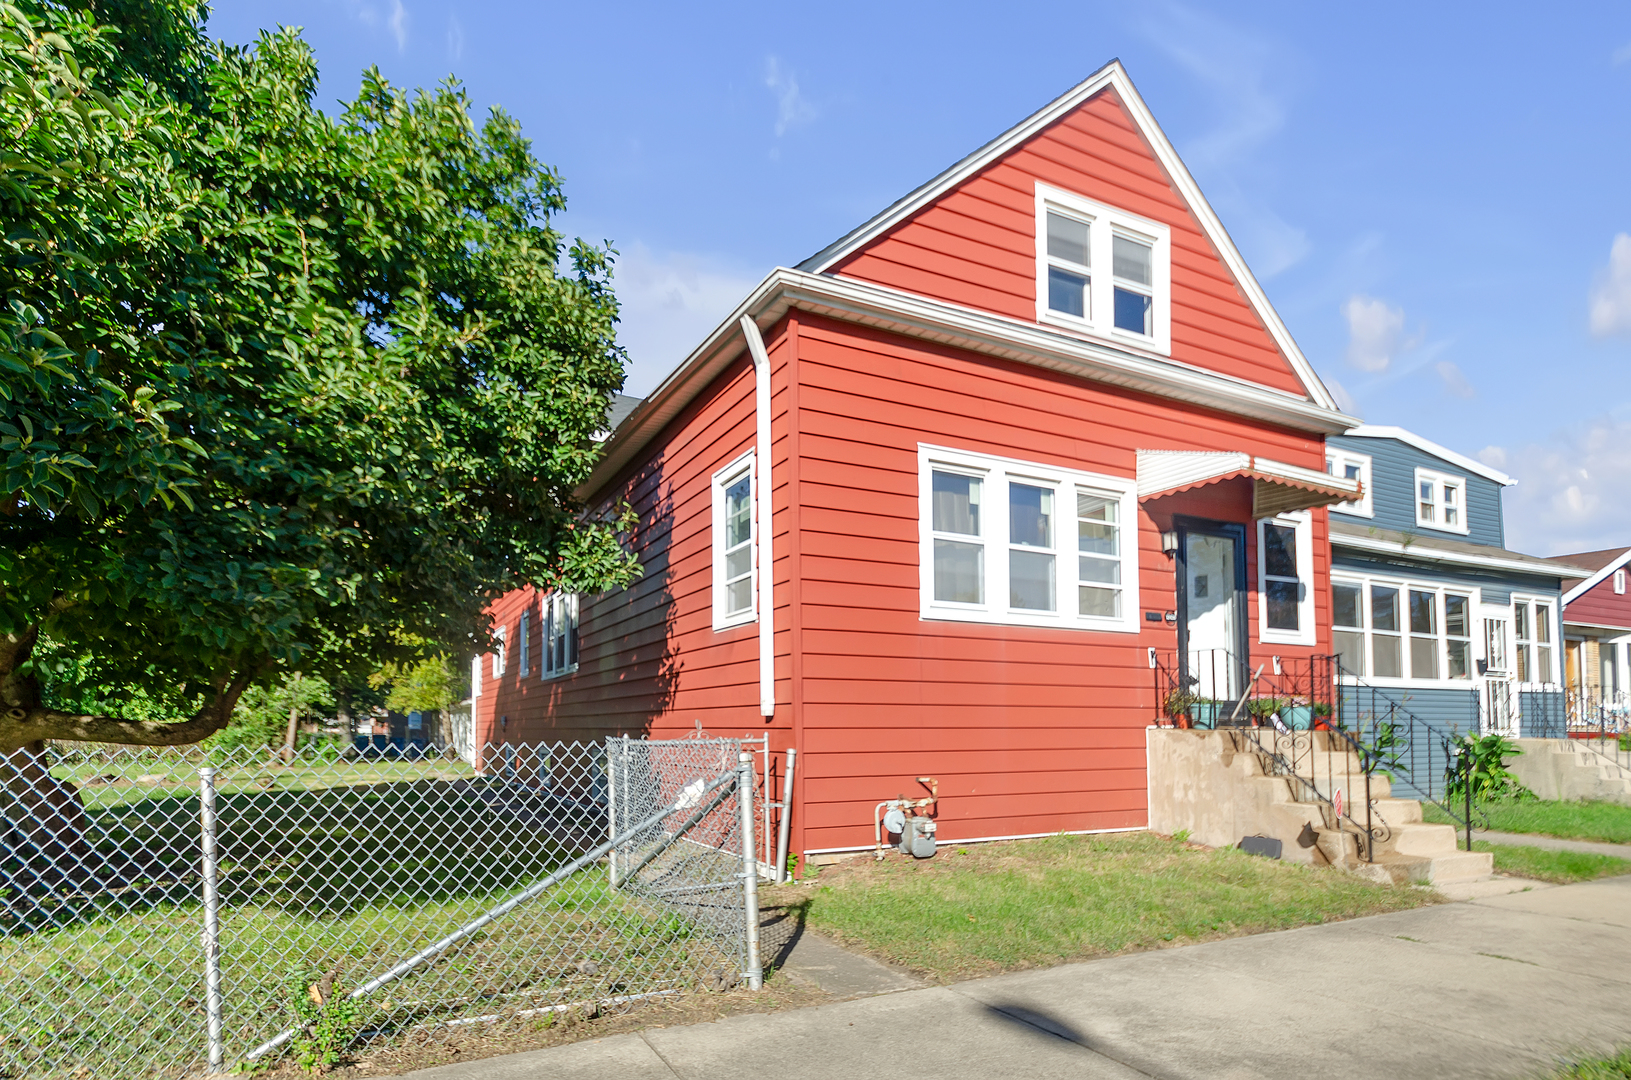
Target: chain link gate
point(410, 898)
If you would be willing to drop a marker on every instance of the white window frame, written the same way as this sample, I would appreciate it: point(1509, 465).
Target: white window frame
point(723, 479)
point(1103, 223)
point(501, 654)
point(996, 474)
point(523, 634)
point(1404, 634)
point(1554, 644)
point(1302, 523)
point(1337, 463)
point(1619, 582)
point(1440, 481)
point(475, 677)
point(559, 618)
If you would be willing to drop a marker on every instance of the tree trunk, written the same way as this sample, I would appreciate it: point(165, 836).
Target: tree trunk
point(293, 733)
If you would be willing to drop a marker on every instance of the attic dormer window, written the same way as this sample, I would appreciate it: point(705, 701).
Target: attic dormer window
point(1441, 501)
point(1102, 271)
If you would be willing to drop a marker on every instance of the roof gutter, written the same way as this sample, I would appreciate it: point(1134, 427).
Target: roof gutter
point(919, 317)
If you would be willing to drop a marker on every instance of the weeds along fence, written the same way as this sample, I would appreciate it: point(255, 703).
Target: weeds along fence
point(180, 912)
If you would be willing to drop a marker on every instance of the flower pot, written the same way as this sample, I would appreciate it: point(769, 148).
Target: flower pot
point(1205, 714)
point(1298, 717)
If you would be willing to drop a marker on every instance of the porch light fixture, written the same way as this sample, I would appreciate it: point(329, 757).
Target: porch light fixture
point(1169, 543)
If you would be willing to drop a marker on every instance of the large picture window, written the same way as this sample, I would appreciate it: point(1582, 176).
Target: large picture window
point(1400, 630)
point(733, 547)
point(1024, 543)
point(1102, 271)
point(1285, 573)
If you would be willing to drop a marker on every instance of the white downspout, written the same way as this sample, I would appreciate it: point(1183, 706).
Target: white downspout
point(765, 565)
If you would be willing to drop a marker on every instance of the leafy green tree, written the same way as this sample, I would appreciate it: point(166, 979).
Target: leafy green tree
point(261, 717)
point(279, 391)
point(433, 683)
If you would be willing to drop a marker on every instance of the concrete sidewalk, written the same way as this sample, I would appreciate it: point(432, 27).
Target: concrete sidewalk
point(1553, 843)
point(1501, 987)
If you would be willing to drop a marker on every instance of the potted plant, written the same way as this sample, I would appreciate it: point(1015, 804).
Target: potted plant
point(1178, 707)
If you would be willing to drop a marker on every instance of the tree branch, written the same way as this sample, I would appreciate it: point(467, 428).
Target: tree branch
point(24, 724)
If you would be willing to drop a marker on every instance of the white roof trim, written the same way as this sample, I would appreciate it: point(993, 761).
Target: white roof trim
point(968, 328)
point(1410, 438)
point(1430, 554)
point(1111, 75)
point(1596, 579)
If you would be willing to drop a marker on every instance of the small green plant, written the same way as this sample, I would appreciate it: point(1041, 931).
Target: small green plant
point(1480, 761)
point(1181, 836)
point(327, 1020)
point(1179, 703)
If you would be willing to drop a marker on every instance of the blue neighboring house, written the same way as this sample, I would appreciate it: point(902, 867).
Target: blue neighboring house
point(1428, 605)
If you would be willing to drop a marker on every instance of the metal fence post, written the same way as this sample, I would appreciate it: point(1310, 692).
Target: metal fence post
point(209, 863)
point(613, 771)
point(754, 971)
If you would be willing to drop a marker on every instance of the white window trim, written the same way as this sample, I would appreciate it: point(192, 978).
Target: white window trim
point(1555, 645)
point(721, 480)
point(1104, 222)
point(1336, 461)
point(500, 654)
point(1306, 632)
point(550, 609)
point(1619, 582)
point(996, 472)
point(1405, 586)
point(475, 677)
point(1440, 481)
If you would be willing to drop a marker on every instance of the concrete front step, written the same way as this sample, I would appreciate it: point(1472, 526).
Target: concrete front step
point(1438, 868)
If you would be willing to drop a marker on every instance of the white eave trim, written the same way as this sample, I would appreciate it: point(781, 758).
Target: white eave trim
point(949, 324)
point(1597, 578)
point(1432, 554)
point(1426, 446)
point(1111, 75)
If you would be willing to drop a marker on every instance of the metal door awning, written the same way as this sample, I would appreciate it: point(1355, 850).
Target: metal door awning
point(1277, 488)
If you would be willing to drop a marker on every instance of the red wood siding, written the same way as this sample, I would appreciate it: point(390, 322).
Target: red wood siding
point(650, 661)
point(1601, 606)
point(976, 246)
point(1029, 730)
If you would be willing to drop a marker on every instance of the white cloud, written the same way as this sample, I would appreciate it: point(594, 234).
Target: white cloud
point(1574, 489)
point(399, 24)
point(1454, 381)
point(670, 302)
point(1375, 332)
point(792, 107)
point(1345, 401)
point(455, 38)
point(396, 22)
point(1611, 296)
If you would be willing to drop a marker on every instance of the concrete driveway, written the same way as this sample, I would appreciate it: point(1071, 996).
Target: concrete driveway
point(1507, 986)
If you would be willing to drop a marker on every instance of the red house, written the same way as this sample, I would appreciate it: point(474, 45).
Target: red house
point(939, 500)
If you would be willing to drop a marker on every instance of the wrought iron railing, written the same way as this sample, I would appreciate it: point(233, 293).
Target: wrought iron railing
point(1210, 688)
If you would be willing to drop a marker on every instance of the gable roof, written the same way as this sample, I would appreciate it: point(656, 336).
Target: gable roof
point(1601, 563)
point(1113, 77)
point(1410, 438)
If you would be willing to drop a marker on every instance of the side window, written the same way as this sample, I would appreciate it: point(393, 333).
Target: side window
point(560, 634)
point(500, 651)
point(733, 548)
point(1441, 501)
point(1348, 625)
point(1102, 271)
point(523, 634)
point(1351, 466)
point(1285, 572)
point(1532, 630)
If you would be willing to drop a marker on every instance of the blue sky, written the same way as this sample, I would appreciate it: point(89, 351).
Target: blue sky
point(1437, 205)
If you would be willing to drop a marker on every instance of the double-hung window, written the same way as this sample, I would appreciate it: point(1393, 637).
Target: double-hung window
point(1285, 571)
point(1532, 631)
point(733, 535)
point(1441, 501)
point(1351, 466)
point(1396, 630)
point(1103, 271)
point(523, 633)
point(500, 651)
point(560, 612)
point(1022, 543)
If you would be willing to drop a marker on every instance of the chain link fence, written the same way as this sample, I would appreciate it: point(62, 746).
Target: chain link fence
point(172, 913)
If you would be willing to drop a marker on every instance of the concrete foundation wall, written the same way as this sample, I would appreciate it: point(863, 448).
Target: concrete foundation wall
point(1552, 769)
point(1202, 782)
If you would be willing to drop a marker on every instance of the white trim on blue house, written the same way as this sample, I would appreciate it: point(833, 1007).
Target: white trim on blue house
point(1410, 438)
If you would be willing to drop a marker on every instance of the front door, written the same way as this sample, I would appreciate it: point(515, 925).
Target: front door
point(1498, 699)
point(1212, 608)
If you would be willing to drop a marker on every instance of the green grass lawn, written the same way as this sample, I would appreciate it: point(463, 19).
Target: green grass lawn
point(996, 907)
point(1602, 821)
point(1558, 867)
point(1617, 1067)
